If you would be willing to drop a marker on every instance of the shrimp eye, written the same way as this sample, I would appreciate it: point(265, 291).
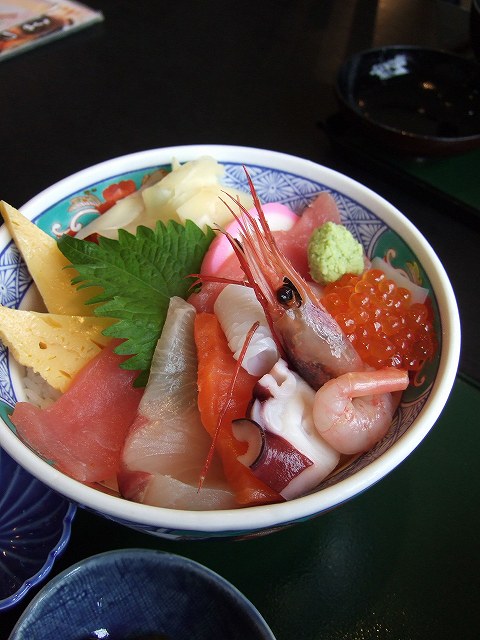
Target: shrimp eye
point(287, 295)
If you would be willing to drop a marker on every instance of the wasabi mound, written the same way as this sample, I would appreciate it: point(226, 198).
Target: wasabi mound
point(332, 252)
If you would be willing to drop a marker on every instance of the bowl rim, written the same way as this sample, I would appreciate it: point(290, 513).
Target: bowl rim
point(166, 559)
point(375, 124)
point(232, 521)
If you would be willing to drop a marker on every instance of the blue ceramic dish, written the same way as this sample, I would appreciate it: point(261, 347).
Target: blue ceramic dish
point(140, 593)
point(35, 524)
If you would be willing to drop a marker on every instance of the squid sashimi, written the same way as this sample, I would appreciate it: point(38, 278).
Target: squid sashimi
point(167, 446)
point(237, 308)
point(216, 370)
point(82, 433)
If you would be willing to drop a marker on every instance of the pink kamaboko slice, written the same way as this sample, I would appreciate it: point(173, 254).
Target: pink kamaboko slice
point(167, 445)
point(280, 218)
point(82, 433)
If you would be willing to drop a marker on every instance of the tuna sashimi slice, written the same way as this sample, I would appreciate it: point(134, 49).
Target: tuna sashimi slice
point(82, 433)
point(294, 243)
point(167, 446)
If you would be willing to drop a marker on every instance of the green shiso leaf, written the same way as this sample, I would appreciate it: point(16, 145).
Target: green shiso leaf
point(138, 274)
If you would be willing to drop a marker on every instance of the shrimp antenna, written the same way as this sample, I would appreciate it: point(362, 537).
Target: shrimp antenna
point(262, 243)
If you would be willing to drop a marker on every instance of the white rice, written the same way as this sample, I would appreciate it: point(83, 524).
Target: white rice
point(38, 391)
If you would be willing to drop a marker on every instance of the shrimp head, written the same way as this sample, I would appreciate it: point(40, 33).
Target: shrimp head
point(310, 338)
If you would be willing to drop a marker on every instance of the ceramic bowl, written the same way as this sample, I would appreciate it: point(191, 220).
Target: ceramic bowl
point(419, 101)
point(381, 228)
point(141, 594)
point(35, 524)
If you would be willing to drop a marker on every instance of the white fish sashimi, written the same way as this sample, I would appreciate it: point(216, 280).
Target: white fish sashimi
point(167, 445)
point(237, 309)
point(182, 495)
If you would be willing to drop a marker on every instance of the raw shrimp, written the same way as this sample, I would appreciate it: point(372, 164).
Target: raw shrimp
point(354, 411)
point(311, 339)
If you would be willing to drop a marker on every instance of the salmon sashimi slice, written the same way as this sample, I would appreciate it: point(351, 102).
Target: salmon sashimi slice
point(166, 446)
point(216, 369)
point(82, 432)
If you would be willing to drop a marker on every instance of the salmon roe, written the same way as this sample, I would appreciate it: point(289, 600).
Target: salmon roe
point(380, 320)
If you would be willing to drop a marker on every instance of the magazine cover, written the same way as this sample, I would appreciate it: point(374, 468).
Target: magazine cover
point(28, 23)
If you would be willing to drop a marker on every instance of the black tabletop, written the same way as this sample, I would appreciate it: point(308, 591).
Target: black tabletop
point(401, 559)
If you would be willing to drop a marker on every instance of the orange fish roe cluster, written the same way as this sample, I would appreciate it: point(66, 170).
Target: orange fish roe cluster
point(380, 320)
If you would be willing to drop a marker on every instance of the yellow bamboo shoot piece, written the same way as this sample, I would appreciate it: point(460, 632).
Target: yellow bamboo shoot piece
point(55, 346)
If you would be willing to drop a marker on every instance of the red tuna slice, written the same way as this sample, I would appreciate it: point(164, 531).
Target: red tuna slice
point(294, 243)
point(83, 432)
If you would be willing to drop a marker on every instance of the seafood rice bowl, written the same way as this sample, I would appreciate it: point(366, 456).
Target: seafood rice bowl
point(301, 377)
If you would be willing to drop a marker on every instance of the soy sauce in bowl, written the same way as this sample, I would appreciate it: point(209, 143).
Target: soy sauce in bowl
point(417, 100)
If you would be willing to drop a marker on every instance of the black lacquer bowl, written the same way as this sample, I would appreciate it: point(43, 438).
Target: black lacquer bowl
point(418, 101)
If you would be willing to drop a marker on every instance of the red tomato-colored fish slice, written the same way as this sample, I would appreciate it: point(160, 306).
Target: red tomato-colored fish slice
point(294, 242)
point(83, 431)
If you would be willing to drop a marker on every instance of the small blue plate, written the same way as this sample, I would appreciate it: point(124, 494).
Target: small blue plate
point(35, 524)
point(140, 593)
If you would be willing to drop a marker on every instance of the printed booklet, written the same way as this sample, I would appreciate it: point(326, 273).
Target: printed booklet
point(28, 23)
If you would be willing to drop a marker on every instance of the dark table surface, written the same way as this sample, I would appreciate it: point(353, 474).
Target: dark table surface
point(402, 560)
